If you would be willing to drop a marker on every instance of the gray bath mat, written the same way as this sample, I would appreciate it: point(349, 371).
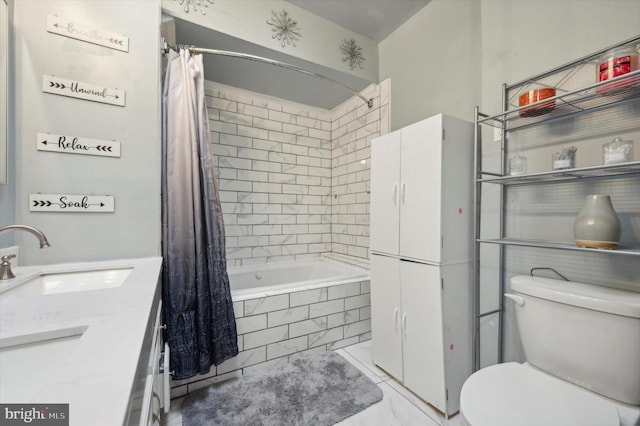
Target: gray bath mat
point(314, 390)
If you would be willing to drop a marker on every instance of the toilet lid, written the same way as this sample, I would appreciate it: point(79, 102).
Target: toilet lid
point(514, 394)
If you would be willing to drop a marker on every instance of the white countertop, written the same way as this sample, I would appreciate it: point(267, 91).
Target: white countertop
point(98, 374)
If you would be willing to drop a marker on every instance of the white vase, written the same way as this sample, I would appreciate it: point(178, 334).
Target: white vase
point(597, 224)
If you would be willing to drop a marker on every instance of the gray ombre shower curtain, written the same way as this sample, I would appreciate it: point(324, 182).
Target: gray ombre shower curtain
point(198, 310)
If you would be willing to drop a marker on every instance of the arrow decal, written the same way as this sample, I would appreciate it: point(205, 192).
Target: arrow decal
point(81, 90)
point(77, 145)
point(87, 33)
point(71, 203)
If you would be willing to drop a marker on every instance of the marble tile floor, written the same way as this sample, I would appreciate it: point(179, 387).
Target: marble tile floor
point(398, 407)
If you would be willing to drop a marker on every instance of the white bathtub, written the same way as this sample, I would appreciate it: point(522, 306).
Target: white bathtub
point(248, 282)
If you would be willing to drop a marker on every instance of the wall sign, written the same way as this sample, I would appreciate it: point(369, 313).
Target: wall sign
point(83, 32)
point(66, 203)
point(76, 145)
point(80, 90)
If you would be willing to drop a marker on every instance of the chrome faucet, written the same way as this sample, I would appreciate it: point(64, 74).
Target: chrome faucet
point(5, 266)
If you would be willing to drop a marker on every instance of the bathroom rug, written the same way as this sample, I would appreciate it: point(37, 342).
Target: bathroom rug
point(313, 390)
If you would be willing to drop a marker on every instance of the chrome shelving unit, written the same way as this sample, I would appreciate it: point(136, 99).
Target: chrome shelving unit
point(574, 100)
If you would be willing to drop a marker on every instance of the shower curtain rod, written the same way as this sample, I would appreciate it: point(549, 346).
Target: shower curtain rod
point(195, 50)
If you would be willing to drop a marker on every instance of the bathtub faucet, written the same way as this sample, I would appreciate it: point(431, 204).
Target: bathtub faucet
point(5, 266)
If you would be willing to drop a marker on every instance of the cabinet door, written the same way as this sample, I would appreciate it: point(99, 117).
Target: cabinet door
point(420, 186)
point(386, 314)
point(385, 192)
point(422, 332)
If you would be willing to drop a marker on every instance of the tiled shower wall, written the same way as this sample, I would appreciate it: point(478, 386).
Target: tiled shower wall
point(293, 179)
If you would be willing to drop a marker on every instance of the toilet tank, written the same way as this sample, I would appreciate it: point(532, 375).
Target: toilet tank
point(585, 334)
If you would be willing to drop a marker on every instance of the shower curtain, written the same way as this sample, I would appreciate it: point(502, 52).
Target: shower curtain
point(198, 310)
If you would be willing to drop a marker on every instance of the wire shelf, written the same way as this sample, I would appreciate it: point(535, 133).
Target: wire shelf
point(623, 251)
point(600, 95)
point(612, 170)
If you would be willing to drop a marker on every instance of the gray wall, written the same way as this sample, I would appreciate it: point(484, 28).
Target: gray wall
point(454, 55)
point(134, 178)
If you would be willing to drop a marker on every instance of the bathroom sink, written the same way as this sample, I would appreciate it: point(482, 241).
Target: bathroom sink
point(68, 282)
point(27, 362)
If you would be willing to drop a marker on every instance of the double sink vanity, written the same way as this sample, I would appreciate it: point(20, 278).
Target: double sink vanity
point(87, 335)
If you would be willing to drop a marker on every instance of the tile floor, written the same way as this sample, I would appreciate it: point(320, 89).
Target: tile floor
point(397, 408)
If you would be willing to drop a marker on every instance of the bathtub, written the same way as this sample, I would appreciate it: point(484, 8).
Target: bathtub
point(288, 309)
point(248, 282)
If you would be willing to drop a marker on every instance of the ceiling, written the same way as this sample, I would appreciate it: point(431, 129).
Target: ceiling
point(375, 19)
point(372, 18)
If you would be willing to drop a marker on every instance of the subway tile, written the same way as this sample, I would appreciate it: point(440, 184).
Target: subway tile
point(297, 229)
point(287, 347)
point(252, 197)
point(238, 253)
point(306, 297)
point(343, 343)
point(295, 129)
point(343, 318)
point(295, 208)
point(282, 240)
point(267, 145)
point(295, 149)
point(243, 359)
point(250, 324)
point(232, 139)
point(253, 111)
point(282, 199)
point(266, 304)
point(267, 229)
point(253, 154)
point(309, 238)
point(282, 116)
point(252, 132)
point(295, 169)
point(266, 251)
point(221, 104)
point(266, 166)
point(281, 178)
point(357, 328)
point(262, 123)
point(295, 189)
point(325, 337)
point(265, 337)
point(307, 326)
point(282, 218)
point(280, 157)
point(262, 208)
point(225, 150)
point(222, 127)
point(365, 312)
point(235, 118)
point(238, 309)
point(295, 249)
point(234, 162)
point(267, 187)
point(324, 308)
point(252, 219)
point(253, 241)
point(281, 137)
point(253, 175)
point(237, 230)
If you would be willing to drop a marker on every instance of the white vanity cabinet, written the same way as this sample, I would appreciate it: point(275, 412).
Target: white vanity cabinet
point(156, 395)
point(421, 252)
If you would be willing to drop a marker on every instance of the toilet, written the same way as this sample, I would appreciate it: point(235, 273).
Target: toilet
point(582, 344)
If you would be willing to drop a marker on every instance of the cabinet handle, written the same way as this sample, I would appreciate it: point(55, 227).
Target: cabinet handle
point(395, 317)
point(395, 193)
point(403, 192)
point(404, 323)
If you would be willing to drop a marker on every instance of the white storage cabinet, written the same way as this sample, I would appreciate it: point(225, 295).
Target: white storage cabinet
point(421, 252)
